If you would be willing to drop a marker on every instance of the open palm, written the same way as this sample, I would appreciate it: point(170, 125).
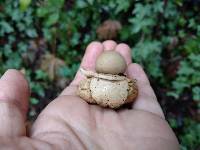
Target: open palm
point(69, 122)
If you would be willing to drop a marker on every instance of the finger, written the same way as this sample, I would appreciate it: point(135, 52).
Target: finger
point(93, 50)
point(146, 99)
point(14, 93)
point(125, 51)
point(109, 45)
point(14, 89)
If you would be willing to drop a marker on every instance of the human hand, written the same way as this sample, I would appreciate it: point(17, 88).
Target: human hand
point(69, 122)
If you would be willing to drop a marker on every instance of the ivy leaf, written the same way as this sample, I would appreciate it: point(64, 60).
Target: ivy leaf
point(90, 2)
point(24, 4)
point(81, 4)
point(34, 101)
point(158, 6)
point(173, 122)
point(14, 61)
point(31, 33)
point(42, 12)
point(55, 4)
point(17, 15)
point(52, 19)
point(196, 93)
point(188, 75)
point(36, 87)
point(5, 28)
point(143, 20)
point(75, 39)
point(122, 6)
point(41, 75)
point(148, 53)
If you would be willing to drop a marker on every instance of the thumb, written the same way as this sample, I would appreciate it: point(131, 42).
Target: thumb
point(14, 93)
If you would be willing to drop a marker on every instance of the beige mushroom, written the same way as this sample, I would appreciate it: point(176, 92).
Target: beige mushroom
point(110, 62)
point(107, 88)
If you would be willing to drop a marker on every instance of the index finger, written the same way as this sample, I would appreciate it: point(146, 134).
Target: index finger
point(93, 50)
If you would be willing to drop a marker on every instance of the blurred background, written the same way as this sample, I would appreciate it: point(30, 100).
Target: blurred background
point(46, 39)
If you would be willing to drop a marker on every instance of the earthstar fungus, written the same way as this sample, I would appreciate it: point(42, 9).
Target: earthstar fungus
point(108, 86)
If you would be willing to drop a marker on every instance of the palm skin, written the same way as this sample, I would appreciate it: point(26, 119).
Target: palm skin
point(70, 123)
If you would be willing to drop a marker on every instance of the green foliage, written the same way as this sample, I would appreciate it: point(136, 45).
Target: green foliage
point(67, 27)
point(24, 4)
point(34, 101)
point(192, 45)
point(191, 136)
point(144, 21)
point(196, 93)
point(68, 72)
point(145, 50)
point(37, 87)
point(50, 11)
point(41, 75)
point(188, 77)
point(15, 25)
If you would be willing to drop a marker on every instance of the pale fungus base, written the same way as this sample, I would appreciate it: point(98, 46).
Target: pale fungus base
point(106, 87)
point(107, 90)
